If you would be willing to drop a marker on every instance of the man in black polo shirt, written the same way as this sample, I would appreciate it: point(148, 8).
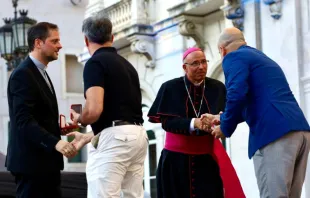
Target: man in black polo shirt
point(113, 108)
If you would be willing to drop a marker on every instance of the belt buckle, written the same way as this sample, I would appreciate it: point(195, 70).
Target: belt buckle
point(114, 122)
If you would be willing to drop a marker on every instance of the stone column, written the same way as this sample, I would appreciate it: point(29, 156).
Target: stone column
point(139, 14)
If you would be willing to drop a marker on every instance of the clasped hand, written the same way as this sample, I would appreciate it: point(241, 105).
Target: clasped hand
point(70, 149)
point(66, 148)
point(210, 123)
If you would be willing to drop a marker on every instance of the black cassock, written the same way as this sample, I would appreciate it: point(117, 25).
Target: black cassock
point(182, 175)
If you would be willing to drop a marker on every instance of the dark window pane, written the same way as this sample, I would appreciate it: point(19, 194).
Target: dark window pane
point(78, 157)
point(152, 159)
point(150, 134)
point(224, 143)
point(153, 188)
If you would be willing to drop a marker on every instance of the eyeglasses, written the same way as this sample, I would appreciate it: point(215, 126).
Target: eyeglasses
point(197, 63)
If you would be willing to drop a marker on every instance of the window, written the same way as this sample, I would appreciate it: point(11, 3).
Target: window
point(224, 143)
point(78, 157)
point(151, 162)
point(74, 74)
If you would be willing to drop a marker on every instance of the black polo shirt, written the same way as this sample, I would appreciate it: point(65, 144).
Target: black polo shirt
point(122, 95)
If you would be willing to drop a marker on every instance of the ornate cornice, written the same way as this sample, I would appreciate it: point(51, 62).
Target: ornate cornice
point(144, 45)
point(185, 6)
point(188, 28)
point(234, 11)
point(139, 29)
point(275, 7)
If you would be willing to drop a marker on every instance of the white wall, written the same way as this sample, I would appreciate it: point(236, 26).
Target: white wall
point(161, 7)
point(303, 19)
point(279, 42)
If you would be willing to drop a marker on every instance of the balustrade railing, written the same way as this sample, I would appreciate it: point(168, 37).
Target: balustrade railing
point(120, 14)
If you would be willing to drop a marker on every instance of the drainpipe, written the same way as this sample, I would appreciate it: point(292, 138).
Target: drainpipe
point(258, 25)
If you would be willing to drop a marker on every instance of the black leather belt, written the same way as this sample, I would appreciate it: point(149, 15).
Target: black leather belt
point(121, 122)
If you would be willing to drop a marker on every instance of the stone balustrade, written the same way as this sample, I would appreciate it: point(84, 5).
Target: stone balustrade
point(120, 14)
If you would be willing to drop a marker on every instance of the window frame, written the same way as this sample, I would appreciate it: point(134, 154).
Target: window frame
point(65, 94)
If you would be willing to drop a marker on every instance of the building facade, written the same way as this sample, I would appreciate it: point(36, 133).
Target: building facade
point(153, 34)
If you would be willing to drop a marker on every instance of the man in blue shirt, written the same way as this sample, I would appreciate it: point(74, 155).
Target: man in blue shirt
point(258, 93)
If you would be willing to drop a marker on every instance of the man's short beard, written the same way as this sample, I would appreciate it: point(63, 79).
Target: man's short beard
point(51, 58)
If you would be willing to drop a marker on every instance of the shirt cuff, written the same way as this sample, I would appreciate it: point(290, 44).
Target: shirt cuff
point(191, 126)
point(50, 143)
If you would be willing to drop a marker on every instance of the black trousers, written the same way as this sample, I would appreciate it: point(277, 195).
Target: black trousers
point(45, 185)
point(188, 176)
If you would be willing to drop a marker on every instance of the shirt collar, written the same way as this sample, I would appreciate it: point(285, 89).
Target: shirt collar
point(105, 49)
point(38, 63)
point(189, 83)
point(242, 46)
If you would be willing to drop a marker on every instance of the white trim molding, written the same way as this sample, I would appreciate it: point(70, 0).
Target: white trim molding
point(5, 121)
point(62, 58)
point(306, 84)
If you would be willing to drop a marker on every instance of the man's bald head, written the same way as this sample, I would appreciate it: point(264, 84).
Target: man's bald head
point(231, 39)
point(230, 35)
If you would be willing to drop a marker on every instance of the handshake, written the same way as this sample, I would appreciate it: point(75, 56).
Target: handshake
point(209, 123)
point(70, 149)
point(66, 148)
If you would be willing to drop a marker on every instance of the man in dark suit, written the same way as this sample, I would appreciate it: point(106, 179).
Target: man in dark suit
point(258, 93)
point(35, 149)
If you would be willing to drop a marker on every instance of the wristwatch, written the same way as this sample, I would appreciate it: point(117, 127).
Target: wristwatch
point(79, 121)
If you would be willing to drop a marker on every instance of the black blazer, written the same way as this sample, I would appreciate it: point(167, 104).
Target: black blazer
point(34, 129)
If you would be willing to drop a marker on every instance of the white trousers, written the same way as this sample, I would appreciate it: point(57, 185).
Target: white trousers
point(115, 168)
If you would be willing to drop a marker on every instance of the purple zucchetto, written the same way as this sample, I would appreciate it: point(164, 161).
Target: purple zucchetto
point(190, 50)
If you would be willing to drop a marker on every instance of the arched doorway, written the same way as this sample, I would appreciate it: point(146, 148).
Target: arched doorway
point(155, 135)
